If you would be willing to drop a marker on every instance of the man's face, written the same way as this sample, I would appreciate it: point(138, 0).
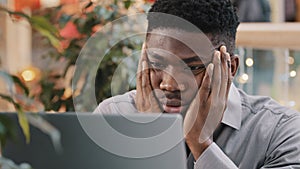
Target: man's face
point(177, 71)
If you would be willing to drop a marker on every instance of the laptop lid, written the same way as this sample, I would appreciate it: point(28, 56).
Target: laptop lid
point(103, 141)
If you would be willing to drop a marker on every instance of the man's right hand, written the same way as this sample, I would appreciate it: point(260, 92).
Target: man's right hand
point(145, 99)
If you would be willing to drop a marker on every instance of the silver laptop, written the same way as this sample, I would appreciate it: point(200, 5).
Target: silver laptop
point(89, 141)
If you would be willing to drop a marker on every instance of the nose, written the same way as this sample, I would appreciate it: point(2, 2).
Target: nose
point(169, 83)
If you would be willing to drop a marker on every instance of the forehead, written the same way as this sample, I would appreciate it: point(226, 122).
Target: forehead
point(180, 43)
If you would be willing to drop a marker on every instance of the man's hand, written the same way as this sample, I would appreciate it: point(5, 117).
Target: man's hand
point(206, 110)
point(145, 99)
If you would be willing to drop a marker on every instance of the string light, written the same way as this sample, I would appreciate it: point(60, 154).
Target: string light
point(249, 62)
point(243, 78)
point(291, 60)
point(30, 74)
point(292, 103)
point(293, 73)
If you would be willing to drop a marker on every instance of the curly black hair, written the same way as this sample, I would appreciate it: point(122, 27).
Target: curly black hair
point(214, 17)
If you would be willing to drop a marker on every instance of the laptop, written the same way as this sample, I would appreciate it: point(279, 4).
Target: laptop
point(93, 141)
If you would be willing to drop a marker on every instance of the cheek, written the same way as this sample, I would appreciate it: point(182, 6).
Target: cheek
point(199, 79)
point(193, 86)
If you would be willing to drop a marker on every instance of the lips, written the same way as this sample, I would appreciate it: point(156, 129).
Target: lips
point(171, 109)
point(171, 105)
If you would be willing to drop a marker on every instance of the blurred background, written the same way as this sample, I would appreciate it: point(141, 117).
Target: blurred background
point(40, 41)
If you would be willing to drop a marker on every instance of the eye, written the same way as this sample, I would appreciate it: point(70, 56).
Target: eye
point(157, 65)
point(192, 68)
point(196, 68)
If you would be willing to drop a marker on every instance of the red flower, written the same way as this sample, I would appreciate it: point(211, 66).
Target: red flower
point(70, 31)
point(19, 5)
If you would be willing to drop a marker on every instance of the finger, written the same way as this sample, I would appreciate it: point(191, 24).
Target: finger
point(205, 87)
point(144, 74)
point(224, 72)
point(155, 108)
point(216, 78)
point(146, 78)
point(143, 55)
point(146, 84)
point(141, 103)
point(192, 116)
point(145, 68)
point(230, 77)
point(140, 68)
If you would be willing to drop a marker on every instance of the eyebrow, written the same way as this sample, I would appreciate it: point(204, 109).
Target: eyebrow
point(155, 56)
point(187, 60)
point(192, 59)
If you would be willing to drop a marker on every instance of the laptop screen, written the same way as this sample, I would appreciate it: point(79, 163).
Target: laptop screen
point(103, 141)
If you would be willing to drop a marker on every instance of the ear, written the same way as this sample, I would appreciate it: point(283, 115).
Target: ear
point(234, 64)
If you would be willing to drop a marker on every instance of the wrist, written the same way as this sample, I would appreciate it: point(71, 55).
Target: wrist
point(198, 148)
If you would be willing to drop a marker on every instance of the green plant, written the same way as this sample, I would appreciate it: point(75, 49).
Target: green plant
point(67, 34)
point(75, 30)
point(68, 46)
point(6, 127)
point(65, 47)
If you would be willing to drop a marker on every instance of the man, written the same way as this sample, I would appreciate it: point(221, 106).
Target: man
point(224, 127)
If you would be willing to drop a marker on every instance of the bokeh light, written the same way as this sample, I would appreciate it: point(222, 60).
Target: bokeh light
point(249, 62)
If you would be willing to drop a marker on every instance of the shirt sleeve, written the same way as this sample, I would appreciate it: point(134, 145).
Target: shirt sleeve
point(284, 149)
point(213, 157)
point(103, 108)
point(117, 104)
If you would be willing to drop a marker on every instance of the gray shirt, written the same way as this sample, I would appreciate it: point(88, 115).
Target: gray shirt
point(256, 132)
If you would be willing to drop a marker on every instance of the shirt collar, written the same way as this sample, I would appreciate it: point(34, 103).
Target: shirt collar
point(232, 114)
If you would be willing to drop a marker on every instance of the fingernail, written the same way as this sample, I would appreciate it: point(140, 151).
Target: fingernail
point(223, 48)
